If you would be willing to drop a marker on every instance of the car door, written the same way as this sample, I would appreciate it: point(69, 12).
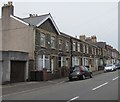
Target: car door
point(86, 71)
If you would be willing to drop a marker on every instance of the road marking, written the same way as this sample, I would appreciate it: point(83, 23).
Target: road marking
point(99, 86)
point(73, 98)
point(115, 78)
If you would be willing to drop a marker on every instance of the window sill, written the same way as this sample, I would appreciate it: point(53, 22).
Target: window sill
point(53, 48)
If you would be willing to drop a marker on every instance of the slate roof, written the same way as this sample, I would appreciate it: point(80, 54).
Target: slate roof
point(65, 35)
point(101, 44)
point(35, 20)
point(69, 36)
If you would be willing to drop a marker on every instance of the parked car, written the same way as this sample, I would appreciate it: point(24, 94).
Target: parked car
point(117, 66)
point(80, 72)
point(110, 67)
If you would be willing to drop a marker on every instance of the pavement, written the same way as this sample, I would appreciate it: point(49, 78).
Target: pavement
point(24, 86)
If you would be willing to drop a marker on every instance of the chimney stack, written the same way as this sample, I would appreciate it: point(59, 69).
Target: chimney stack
point(94, 39)
point(82, 37)
point(7, 10)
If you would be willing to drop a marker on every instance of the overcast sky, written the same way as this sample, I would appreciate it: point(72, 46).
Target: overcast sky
point(77, 18)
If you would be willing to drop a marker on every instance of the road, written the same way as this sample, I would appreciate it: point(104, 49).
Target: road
point(101, 87)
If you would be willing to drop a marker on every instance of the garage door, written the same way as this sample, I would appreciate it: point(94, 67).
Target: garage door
point(17, 71)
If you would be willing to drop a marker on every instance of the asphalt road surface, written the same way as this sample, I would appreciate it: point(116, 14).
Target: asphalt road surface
point(101, 87)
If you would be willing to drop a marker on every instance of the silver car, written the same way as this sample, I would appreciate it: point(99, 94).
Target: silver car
point(110, 67)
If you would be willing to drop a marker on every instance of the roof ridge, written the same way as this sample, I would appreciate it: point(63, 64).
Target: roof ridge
point(37, 16)
point(17, 17)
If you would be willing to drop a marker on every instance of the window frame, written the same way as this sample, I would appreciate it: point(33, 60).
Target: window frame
point(53, 42)
point(60, 44)
point(74, 46)
point(67, 45)
point(42, 35)
point(78, 47)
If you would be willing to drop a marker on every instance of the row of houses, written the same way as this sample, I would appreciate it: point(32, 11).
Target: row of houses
point(33, 48)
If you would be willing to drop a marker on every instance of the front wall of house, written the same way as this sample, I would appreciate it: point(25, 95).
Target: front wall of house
point(48, 29)
point(18, 38)
point(47, 49)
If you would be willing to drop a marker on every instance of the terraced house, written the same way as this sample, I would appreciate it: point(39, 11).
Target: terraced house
point(34, 49)
point(106, 54)
point(90, 54)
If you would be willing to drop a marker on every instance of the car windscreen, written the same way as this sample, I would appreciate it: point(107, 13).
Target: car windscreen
point(108, 65)
point(76, 69)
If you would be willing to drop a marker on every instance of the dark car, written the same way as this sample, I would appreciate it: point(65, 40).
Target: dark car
point(117, 66)
point(79, 72)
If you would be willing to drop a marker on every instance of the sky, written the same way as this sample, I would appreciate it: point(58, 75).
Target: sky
point(75, 18)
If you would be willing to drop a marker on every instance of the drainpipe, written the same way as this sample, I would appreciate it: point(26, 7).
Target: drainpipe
point(71, 51)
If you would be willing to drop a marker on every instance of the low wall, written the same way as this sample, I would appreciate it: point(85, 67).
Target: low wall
point(44, 75)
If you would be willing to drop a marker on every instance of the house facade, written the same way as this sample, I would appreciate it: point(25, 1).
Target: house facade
point(90, 54)
point(30, 43)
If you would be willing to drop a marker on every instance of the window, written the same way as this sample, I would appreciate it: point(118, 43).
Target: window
point(87, 49)
point(74, 45)
point(83, 48)
point(78, 47)
point(67, 46)
point(67, 63)
point(62, 61)
point(42, 39)
point(43, 62)
point(75, 61)
point(60, 44)
point(100, 52)
point(95, 51)
point(85, 61)
point(90, 50)
point(52, 42)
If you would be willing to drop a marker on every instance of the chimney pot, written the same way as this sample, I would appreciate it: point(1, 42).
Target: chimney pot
point(82, 37)
point(33, 15)
point(30, 15)
point(9, 2)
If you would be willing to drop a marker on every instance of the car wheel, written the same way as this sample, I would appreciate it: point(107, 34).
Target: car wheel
point(83, 77)
point(70, 79)
point(91, 76)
